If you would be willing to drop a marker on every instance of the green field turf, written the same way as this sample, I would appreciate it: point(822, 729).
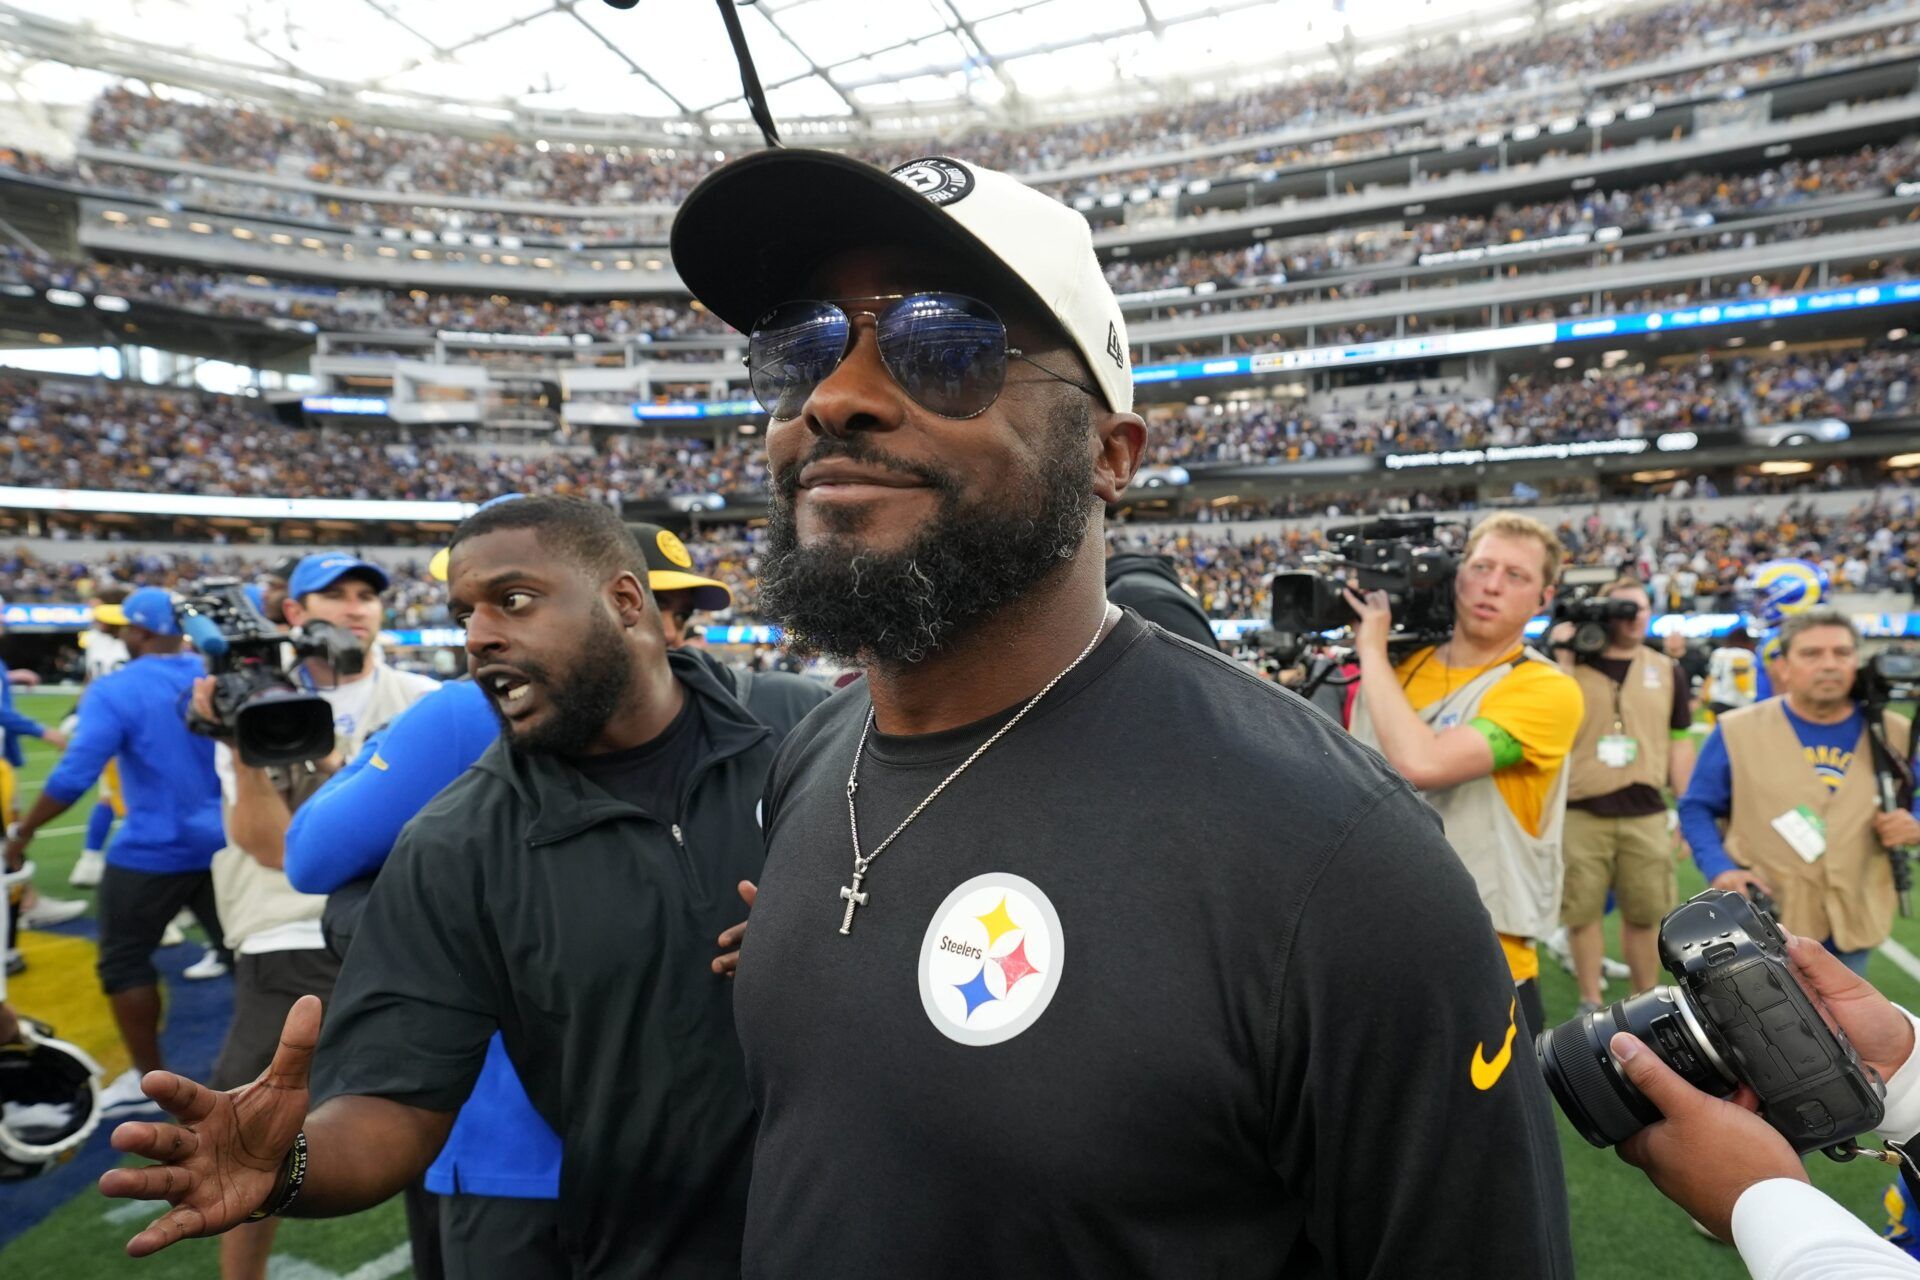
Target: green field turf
point(1622, 1228)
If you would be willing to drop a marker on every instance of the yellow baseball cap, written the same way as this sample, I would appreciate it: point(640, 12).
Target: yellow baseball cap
point(670, 568)
point(111, 615)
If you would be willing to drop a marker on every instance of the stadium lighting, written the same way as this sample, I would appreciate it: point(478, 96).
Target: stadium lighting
point(65, 298)
point(1896, 335)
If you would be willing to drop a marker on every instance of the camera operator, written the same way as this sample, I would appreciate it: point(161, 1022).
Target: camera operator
point(274, 930)
point(1634, 739)
point(1793, 780)
point(1482, 726)
point(160, 861)
point(1740, 1178)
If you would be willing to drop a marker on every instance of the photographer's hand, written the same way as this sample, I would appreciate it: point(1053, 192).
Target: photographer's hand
point(200, 706)
point(1881, 1034)
point(1896, 828)
point(1708, 1150)
point(1737, 880)
point(1373, 620)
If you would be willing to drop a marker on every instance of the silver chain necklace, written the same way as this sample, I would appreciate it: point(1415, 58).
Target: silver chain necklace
point(852, 894)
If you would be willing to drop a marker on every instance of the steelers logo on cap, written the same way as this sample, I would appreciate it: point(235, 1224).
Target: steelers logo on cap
point(673, 549)
point(939, 179)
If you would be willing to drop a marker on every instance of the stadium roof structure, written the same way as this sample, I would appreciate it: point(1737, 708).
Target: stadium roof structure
point(858, 66)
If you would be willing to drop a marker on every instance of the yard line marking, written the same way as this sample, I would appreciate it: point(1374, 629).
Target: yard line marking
point(1902, 957)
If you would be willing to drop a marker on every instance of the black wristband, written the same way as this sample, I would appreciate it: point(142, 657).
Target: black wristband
point(293, 1175)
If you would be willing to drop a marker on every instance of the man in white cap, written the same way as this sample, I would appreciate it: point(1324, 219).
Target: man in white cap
point(1005, 993)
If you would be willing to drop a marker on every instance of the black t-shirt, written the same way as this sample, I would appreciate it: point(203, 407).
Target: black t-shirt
point(1637, 800)
point(652, 777)
point(1176, 980)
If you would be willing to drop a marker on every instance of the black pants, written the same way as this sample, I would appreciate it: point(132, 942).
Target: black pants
point(423, 1232)
point(135, 907)
point(265, 987)
point(486, 1236)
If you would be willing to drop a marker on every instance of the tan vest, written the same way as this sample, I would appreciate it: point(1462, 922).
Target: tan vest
point(1518, 874)
point(1643, 705)
point(1846, 895)
point(252, 897)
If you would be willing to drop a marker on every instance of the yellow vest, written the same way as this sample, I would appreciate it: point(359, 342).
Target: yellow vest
point(1643, 707)
point(1847, 894)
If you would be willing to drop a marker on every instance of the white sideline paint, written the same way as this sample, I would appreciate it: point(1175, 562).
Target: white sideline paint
point(1902, 957)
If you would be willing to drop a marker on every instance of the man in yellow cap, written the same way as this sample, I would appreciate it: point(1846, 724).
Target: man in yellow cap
point(679, 591)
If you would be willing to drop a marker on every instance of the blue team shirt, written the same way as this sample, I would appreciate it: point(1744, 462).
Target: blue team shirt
point(1828, 749)
point(499, 1145)
point(14, 725)
point(138, 715)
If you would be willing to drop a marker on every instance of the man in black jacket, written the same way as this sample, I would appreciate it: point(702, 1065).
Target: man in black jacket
point(1150, 587)
point(566, 891)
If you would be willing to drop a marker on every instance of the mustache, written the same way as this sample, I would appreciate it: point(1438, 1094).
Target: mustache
point(859, 448)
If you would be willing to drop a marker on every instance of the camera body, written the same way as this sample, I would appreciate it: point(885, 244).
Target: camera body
point(1400, 555)
point(270, 719)
point(1735, 1015)
point(1592, 618)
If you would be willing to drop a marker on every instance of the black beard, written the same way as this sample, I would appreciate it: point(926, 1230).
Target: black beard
point(584, 699)
point(861, 606)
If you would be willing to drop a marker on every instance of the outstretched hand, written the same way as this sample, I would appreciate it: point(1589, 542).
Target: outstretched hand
point(727, 963)
point(223, 1159)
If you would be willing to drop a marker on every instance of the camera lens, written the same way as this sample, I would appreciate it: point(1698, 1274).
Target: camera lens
point(1600, 1102)
point(283, 726)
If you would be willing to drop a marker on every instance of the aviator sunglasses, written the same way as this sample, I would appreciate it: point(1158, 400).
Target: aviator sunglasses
point(946, 350)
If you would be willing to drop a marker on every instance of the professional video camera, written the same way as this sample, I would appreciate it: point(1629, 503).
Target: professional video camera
point(1400, 555)
point(1890, 676)
point(270, 719)
point(1592, 615)
point(1736, 1016)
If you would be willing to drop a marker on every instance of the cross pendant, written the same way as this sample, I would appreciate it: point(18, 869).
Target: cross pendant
point(854, 899)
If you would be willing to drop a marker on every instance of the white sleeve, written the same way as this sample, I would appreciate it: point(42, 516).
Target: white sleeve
point(223, 766)
point(1902, 1118)
point(1787, 1230)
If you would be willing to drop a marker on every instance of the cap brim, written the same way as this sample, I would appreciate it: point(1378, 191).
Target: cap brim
point(748, 236)
point(709, 596)
point(111, 615)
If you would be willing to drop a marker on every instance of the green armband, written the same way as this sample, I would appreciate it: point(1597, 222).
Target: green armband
point(1507, 750)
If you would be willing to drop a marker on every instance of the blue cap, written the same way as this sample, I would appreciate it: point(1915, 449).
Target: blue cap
point(317, 573)
point(151, 609)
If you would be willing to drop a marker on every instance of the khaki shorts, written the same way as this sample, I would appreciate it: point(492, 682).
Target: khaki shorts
point(1631, 856)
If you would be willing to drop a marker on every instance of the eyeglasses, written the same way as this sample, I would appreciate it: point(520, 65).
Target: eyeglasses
point(946, 350)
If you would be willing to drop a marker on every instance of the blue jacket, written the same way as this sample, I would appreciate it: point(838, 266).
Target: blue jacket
point(499, 1145)
point(15, 725)
point(138, 715)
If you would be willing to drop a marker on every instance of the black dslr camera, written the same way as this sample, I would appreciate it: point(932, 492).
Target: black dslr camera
point(1735, 1016)
point(1400, 555)
point(1592, 615)
point(269, 718)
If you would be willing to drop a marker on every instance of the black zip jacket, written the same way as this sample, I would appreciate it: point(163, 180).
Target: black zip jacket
point(528, 900)
point(1150, 587)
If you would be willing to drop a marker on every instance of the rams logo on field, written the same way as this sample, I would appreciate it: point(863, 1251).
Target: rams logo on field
point(939, 179)
point(673, 549)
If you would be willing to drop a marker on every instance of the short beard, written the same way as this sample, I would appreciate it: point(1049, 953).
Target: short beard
point(585, 697)
point(859, 606)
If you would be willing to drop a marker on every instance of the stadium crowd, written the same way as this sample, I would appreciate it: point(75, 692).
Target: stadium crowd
point(107, 436)
point(1703, 395)
point(336, 152)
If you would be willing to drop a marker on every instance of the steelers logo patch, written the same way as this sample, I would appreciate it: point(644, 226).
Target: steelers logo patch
point(673, 549)
point(939, 179)
point(991, 960)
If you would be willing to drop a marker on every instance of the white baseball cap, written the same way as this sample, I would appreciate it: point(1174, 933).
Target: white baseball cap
point(750, 234)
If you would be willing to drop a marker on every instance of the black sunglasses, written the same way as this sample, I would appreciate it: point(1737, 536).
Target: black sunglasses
point(946, 350)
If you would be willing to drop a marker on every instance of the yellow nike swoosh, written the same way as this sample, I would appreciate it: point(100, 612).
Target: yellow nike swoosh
point(1486, 1073)
point(377, 762)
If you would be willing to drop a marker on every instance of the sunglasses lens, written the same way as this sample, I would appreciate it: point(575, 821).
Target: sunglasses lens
point(791, 351)
point(948, 352)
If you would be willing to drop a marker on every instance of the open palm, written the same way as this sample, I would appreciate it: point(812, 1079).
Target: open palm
point(222, 1160)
